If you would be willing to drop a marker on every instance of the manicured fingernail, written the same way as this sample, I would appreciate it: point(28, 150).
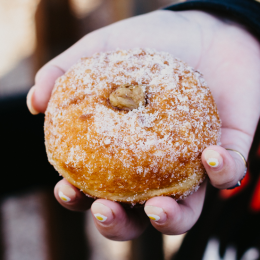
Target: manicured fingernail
point(29, 101)
point(213, 158)
point(66, 193)
point(102, 213)
point(155, 213)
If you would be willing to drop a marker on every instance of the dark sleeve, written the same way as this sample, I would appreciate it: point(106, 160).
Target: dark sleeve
point(246, 12)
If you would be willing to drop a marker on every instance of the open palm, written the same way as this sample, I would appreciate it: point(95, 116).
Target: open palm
point(228, 57)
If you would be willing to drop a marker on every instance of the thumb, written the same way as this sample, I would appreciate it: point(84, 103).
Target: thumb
point(39, 95)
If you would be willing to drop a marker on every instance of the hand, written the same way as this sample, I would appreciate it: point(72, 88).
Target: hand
point(229, 58)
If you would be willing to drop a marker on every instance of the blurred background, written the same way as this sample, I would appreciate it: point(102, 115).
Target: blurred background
point(32, 224)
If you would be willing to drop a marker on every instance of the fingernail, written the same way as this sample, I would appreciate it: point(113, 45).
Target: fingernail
point(155, 213)
point(67, 194)
point(102, 213)
point(29, 101)
point(213, 158)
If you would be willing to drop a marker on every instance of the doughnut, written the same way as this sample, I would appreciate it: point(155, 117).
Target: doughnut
point(129, 125)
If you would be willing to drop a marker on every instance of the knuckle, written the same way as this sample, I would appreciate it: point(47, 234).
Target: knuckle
point(230, 177)
point(223, 179)
point(38, 75)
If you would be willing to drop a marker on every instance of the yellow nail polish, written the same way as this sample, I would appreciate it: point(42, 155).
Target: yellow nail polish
point(213, 158)
point(102, 213)
point(64, 197)
point(153, 217)
point(155, 213)
point(100, 217)
point(213, 162)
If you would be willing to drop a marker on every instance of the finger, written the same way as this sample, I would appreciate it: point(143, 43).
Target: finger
point(39, 95)
point(171, 217)
point(70, 197)
point(116, 222)
point(225, 168)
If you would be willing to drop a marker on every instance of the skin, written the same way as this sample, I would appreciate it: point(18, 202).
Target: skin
point(229, 58)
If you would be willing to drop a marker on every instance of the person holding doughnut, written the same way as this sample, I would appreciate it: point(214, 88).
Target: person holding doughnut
point(218, 38)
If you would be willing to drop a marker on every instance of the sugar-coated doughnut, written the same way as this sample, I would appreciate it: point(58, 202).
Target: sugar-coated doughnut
point(128, 125)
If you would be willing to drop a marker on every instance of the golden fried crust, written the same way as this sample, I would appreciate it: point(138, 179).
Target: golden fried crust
point(131, 155)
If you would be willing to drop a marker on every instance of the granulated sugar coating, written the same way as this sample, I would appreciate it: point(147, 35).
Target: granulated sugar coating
point(131, 155)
